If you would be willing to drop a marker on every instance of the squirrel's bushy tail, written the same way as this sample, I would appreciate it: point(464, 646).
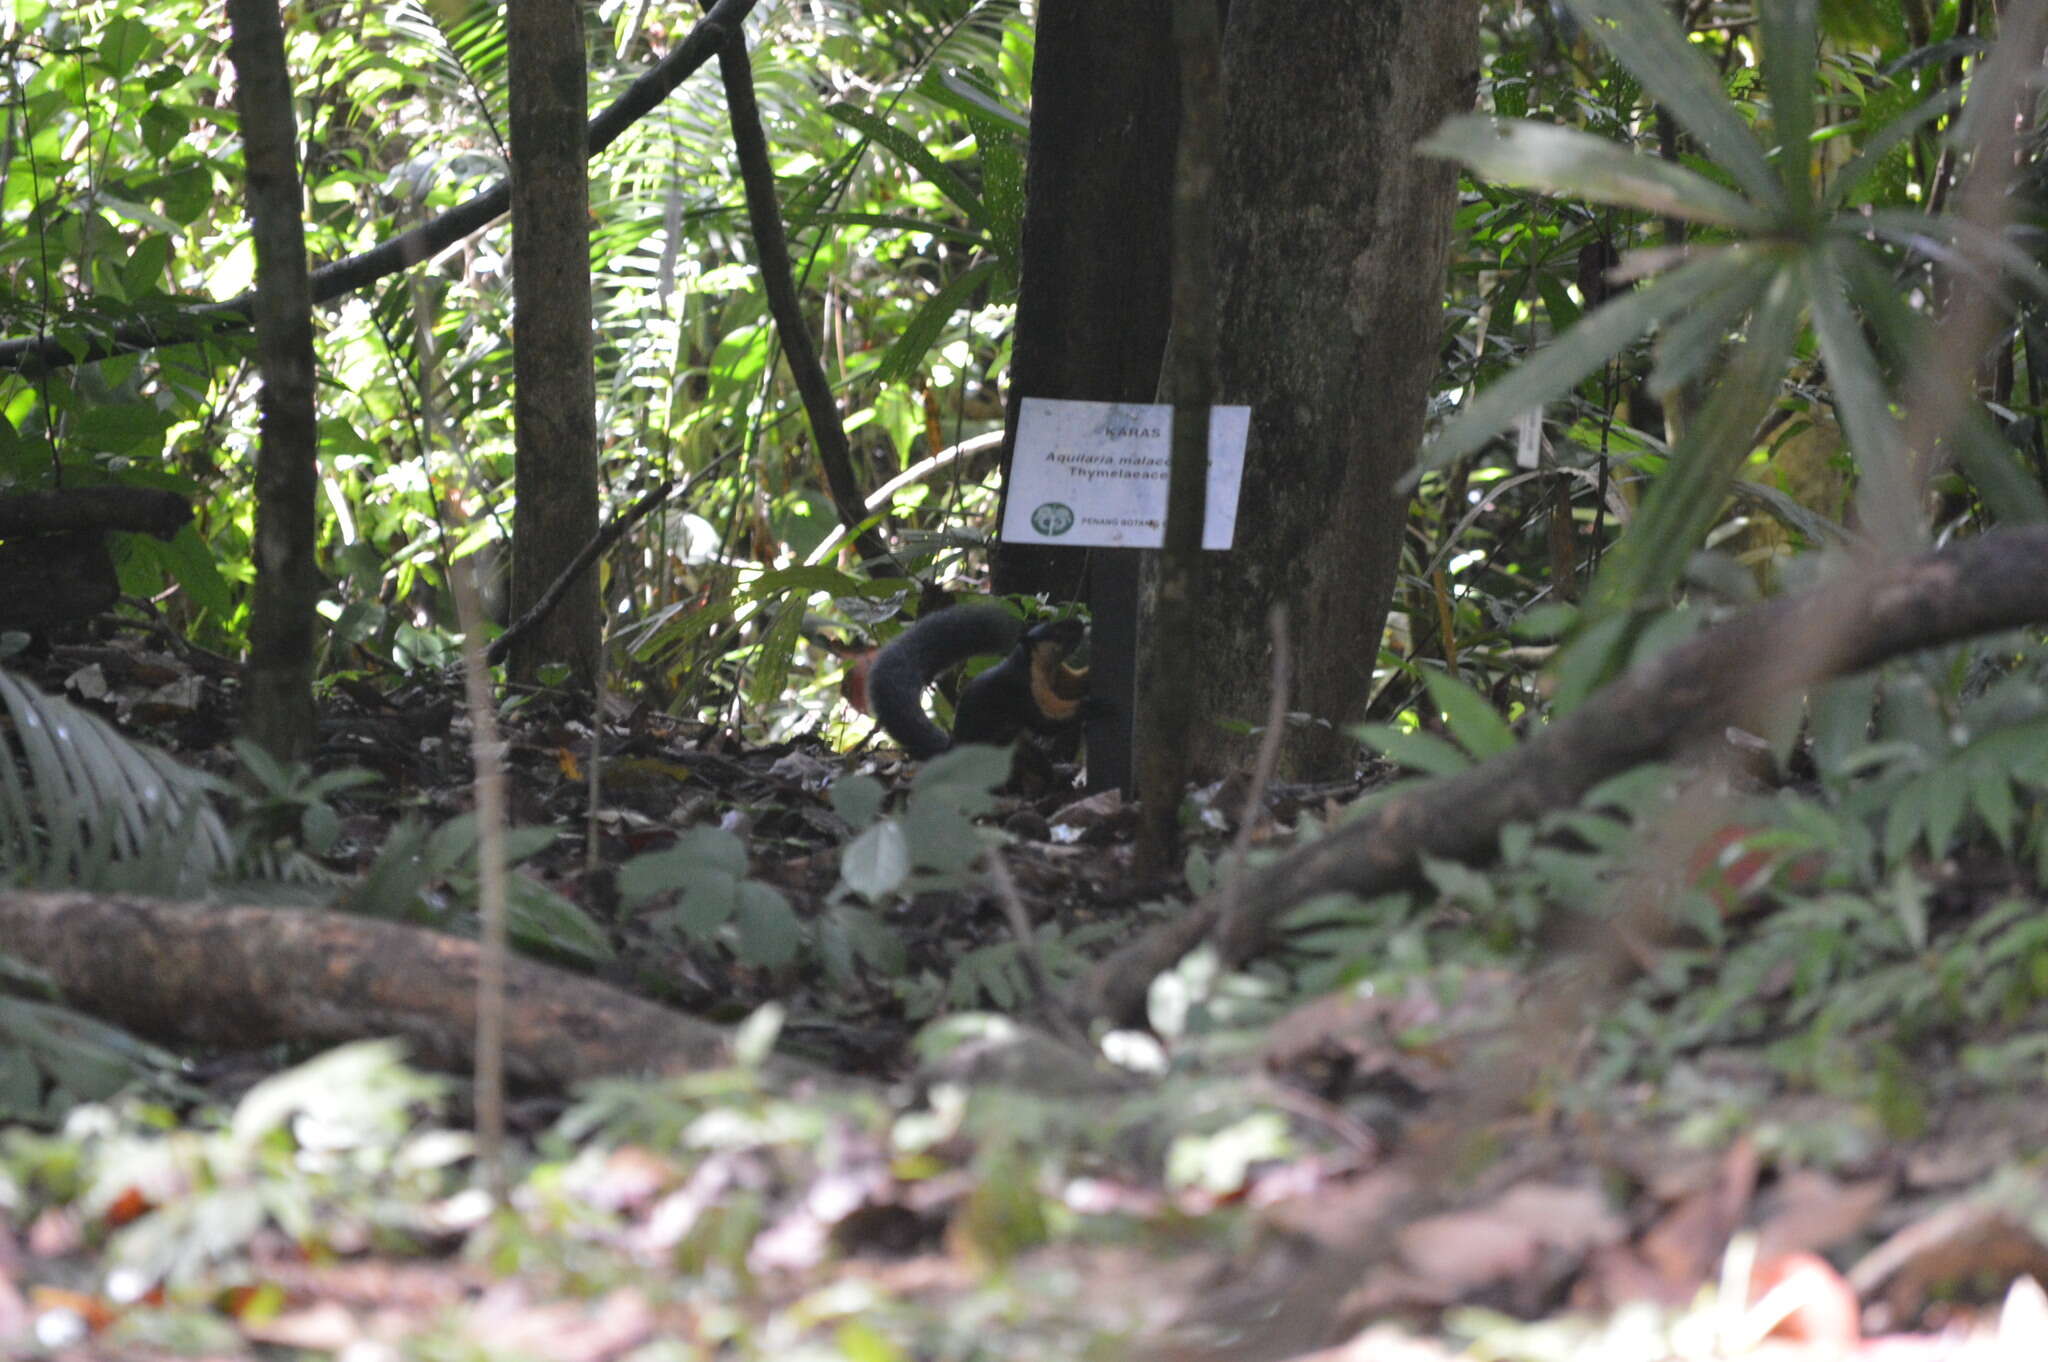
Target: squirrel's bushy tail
point(900, 672)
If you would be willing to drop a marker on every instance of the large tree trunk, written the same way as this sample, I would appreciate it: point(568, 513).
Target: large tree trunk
point(1333, 239)
point(554, 388)
point(278, 705)
point(1091, 303)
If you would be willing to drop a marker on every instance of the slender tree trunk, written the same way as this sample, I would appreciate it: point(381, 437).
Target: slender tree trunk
point(1167, 687)
point(555, 390)
point(278, 705)
point(1332, 244)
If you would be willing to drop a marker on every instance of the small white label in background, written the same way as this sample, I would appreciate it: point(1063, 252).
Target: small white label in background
point(1529, 438)
point(1095, 473)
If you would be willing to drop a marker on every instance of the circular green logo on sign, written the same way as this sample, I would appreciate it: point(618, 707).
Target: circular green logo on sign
point(1054, 517)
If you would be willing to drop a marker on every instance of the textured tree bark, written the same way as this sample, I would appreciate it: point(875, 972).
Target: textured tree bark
point(246, 978)
point(1168, 694)
point(1333, 241)
point(278, 699)
point(1092, 294)
point(554, 387)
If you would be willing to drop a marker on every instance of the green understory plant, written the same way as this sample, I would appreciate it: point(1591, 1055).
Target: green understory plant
point(1779, 250)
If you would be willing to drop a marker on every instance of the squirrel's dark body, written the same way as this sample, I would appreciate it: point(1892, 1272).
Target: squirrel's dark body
point(1029, 688)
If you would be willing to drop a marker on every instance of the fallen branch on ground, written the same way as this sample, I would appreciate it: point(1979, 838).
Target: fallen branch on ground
point(245, 978)
point(1695, 691)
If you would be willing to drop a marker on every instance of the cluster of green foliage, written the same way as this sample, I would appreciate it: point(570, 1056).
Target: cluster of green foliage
point(122, 209)
point(1740, 385)
point(1805, 165)
point(1751, 394)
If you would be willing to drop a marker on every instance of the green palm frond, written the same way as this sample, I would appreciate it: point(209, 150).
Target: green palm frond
point(81, 803)
point(1774, 248)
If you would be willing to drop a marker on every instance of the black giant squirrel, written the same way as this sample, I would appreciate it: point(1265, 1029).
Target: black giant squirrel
point(1033, 687)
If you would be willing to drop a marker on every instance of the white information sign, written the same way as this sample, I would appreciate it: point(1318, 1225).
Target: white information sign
point(1095, 473)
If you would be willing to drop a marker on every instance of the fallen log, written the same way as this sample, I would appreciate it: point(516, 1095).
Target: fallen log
point(250, 977)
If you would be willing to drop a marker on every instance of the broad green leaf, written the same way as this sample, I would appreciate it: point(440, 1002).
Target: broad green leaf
point(715, 849)
point(654, 872)
point(392, 886)
point(768, 929)
point(1470, 716)
point(536, 915)
point(1552, 371)
point(1418, 751)
point(1564, 313)
point(186, 193)
point(1991, 795)
point(319, 827)
point(1643, 37)
point(1947, 795)
point(1907, 894)
point(866, 937)
point(857, 799)
point(1578, 164)
point(122, 45)
point(876, 863)
point(134, 428)
point(186, 559)
point(1909, 712)
point(1683, 503)
point(701, 855)
point(448, 846)
point(742, 353)
point(1459, 883)
point(708, 902)
point(942, 838)
point(964, 777)
point(145, 268)
point(164, 128)
point(1601, 834)
point(21, 1083)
